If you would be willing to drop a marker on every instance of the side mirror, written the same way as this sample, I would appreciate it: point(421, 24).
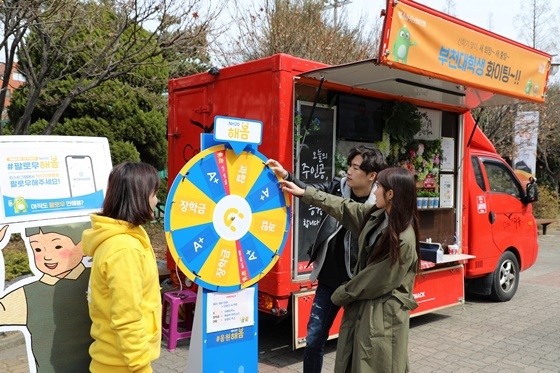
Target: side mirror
point(532, 194)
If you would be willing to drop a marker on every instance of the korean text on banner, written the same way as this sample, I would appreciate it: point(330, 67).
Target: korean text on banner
point(428, 42)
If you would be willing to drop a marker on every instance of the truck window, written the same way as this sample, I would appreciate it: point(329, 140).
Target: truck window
point(501, 179)
point(478, 173)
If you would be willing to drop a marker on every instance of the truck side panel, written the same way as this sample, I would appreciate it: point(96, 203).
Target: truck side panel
point(259, 90)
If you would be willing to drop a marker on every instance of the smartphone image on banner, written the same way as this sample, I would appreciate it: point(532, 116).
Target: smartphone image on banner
point(80, 175)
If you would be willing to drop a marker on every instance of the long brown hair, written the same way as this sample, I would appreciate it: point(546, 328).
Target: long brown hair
point(131, 184)
point(403, 212)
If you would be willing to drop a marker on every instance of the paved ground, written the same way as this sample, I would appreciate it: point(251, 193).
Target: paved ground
point(522, 335)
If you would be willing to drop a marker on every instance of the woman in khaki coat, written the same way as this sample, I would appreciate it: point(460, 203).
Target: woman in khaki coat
point(377, 301)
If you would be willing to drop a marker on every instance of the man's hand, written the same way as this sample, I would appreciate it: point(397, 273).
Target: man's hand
point(277, 168)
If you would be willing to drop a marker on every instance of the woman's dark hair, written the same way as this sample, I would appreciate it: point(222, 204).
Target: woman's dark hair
point(131, 184)
point(403, 212)
point(373, 159)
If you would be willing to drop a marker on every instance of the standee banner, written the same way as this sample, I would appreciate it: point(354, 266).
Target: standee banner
point(48, 177)
point(422, 40)
point(526, 136)
point(48, 187)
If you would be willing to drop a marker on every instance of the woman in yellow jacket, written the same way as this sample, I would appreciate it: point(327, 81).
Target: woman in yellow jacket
point(377, 300)
point(124, 295)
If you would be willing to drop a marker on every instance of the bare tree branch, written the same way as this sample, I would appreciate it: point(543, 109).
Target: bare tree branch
point(133, 35)
point(16, 17)
point(301, 28)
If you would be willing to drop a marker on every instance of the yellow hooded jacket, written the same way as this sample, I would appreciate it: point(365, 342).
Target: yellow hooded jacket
point(123, 296)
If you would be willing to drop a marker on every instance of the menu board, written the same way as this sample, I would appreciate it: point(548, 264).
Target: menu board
point(448, 149)
point(314, 164)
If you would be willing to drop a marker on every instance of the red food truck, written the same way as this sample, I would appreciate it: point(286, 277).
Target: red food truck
point(312, 114)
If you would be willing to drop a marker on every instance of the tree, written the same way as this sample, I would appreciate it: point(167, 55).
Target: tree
point(15, 19)
point(115, 39)
point(548, 157)
point(450, 8)
point(132, 118)
point(538, 25)
point(539, 29)
point(497, 123)
point(129, 110)
point(190, 60)
point(300, 28)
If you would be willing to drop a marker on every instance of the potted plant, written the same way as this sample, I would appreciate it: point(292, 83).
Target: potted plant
point(429, 195)
point(404, 121)
point(419, 199)
point(435, 200)
point(422, 199)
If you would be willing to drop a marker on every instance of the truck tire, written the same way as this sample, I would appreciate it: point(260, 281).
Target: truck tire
point(506, 278)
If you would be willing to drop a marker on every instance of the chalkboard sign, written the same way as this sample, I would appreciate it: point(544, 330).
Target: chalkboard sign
point(314, 164)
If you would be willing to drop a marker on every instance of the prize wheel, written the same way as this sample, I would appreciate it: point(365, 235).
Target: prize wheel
point(226, 219)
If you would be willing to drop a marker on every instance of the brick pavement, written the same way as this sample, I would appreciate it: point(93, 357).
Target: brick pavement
point(522, 335)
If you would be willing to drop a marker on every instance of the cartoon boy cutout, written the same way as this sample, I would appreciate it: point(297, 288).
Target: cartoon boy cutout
point(54, 308)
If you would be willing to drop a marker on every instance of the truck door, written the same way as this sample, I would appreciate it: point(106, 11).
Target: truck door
point(498, 208)
point(189, 117)
point(507, 212)
point(503, 216)
point(480, 225)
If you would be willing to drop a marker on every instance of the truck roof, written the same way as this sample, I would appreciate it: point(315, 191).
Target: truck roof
point(369, 76)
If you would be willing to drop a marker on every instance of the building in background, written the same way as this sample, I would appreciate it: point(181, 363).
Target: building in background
point(16, 79)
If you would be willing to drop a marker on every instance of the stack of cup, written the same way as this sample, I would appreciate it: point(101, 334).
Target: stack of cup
point(453, 249)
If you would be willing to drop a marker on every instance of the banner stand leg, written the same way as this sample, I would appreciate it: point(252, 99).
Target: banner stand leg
point(226, 350)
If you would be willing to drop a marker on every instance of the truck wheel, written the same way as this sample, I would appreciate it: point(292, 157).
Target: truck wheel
point(506, 278)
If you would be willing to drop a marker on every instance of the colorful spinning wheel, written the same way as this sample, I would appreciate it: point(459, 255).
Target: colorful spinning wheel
point(226, 219)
